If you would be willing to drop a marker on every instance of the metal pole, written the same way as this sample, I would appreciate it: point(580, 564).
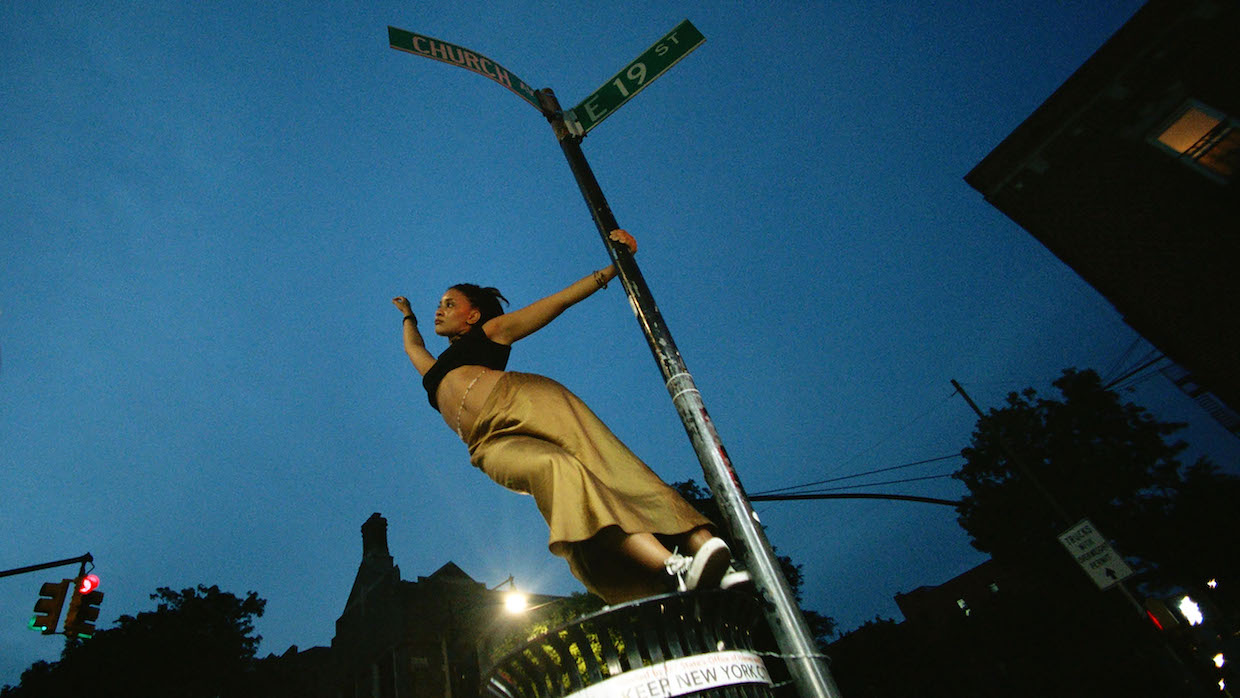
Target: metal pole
point(82, 559)
point(805, 663)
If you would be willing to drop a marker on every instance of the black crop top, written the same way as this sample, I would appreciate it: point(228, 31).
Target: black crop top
point(474, 349)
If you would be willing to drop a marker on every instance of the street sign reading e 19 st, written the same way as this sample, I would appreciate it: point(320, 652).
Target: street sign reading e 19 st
point(633, 79)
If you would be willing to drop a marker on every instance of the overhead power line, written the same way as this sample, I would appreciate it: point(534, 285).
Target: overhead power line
point(1116, 366)
point(1134, 372)
point(875, 484)
point(857, 475)
point(901, 429)
point(854, 495)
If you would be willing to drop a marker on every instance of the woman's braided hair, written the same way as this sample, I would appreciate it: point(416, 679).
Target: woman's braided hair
point(486, 300)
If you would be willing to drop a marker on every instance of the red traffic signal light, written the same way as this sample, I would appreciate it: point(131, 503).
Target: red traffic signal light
point(47, 608)
point(83, 607)
point(87, 584)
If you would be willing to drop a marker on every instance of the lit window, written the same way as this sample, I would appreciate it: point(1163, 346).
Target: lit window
point(1204, 137)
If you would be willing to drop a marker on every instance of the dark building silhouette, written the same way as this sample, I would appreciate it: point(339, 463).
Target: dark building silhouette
point(936, 648)
point(931, 608)
point(1127, 173)
point(429, 638)
point(997, 630)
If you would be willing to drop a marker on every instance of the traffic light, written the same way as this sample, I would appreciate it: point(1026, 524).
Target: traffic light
point(47, 608)
point(83, 607)
point(87, 583)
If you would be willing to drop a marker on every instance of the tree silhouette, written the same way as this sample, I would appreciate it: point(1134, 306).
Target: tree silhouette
point(198, 642)
point(1095, 457)
point(1034, 468)
point(1037, 466)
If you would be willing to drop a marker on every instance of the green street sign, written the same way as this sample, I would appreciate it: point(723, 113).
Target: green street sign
point(435, 49)
point(665, 53)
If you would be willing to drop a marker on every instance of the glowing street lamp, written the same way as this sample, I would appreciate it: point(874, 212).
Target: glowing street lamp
point(1191, 611)
point(516, 602)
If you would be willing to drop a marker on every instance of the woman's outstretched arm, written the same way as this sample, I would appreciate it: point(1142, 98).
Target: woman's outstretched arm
point(415, 347)
point(510, 327)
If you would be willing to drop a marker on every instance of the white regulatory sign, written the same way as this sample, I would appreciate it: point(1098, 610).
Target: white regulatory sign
point(1092, 552)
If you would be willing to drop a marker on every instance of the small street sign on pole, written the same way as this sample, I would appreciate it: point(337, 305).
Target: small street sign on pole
point(1094, 554)
point(634, 78)
point(421, 45)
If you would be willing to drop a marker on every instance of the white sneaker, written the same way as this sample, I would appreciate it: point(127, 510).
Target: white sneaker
point(677, 566)
point(735, 578)
point(709, 565)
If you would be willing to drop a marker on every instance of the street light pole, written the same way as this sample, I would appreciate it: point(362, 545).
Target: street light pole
point(805, 663)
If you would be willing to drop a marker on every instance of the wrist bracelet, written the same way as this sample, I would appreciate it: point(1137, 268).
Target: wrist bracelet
point(598, 279)
point(410, 316)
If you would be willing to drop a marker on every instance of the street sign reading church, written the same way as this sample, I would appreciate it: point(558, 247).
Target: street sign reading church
point(456, 55)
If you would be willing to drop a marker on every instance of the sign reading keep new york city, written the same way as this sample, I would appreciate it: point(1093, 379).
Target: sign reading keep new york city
point(470, 60)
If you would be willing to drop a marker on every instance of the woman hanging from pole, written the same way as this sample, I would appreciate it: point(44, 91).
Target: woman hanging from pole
point(624, 533)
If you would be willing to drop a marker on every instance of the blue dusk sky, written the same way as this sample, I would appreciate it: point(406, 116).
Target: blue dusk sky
point(207, 208)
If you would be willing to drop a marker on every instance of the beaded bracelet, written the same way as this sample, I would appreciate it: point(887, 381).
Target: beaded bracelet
point(410, 316)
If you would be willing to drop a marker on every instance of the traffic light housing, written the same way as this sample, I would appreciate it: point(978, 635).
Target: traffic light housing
point(83, 607)
point(47, 608)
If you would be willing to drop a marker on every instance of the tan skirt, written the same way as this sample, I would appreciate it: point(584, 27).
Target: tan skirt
point(535, 437)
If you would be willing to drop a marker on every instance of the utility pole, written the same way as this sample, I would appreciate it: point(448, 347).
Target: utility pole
point(806, 664)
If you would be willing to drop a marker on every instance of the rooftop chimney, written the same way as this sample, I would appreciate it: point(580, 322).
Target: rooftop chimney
point(374, 539)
